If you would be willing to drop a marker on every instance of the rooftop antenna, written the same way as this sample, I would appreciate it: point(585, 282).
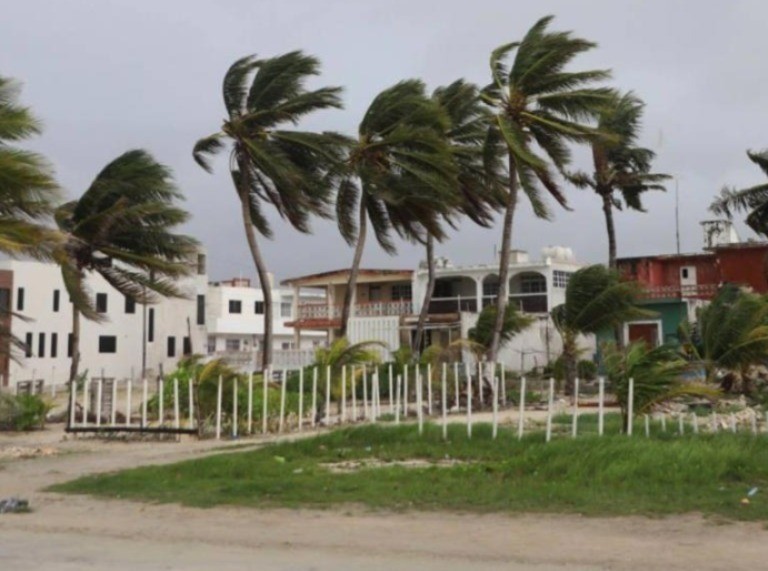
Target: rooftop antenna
point(677, 215)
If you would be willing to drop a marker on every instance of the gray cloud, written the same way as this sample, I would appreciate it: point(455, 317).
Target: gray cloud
point(110, 75)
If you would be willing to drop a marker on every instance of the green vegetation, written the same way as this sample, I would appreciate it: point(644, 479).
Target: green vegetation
point(22, 412)
point(613, 475)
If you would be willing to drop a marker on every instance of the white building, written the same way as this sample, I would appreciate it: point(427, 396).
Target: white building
point(235, 321)
point(131, 336)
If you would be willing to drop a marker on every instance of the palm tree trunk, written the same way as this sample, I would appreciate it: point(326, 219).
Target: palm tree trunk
point(354, 270)
point(261, 270)
point(506, 247)
point(75, 362)
point(427, 294)
point(569, 360)
point(608, 211)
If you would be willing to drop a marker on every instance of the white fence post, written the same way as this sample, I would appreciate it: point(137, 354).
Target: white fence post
point(550, 402)
point(521, 413)
point(391, 396)
point(191, 399)
point(219, 395)
point(314, 397)
point(663, 422)
point(343, 415)
point(264, 397)
point(128, 401)
point(469, 403)
point(575, 420)
point(680, 424)
point(283, 389)
point(235, 416)
point(429, 389)
point(250, 403)
point(99, 394)
point(647, 426)
point(495, 387)
point(365, 393)
point(301, 398)
point(161, 402)
point(480, 383)
point(113, 412)
point(456, 390)
point(72, 402)
point(419, 407)
point(695, 419)
point(600, 405)
point(144, 402)
point(354, 394)
point(397, 398)
point(176, 413)
point(328, 395)
point(630, 406)
point(444, 399)
point(86, 399)
point(405, 391)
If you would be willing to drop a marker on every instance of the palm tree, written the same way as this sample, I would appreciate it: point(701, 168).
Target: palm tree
point(342, 353)
point(753, 200)
point(514, 323)
point(399, 175)
point(27, 188)
point(595, 299)
point(621, 167)
point(538, 108)
point(121, 228)
point(656, 373)
point(730, 334)
point(478, 184)
point(269, 164)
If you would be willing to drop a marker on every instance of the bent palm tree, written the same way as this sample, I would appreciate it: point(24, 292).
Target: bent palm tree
point(400, 175)
point(121, 229)
point(753, 200)
point(538, 108)
point(620, 166)
point(270, 164)
point(595, 299)
point(27, 188)
point(478, 182)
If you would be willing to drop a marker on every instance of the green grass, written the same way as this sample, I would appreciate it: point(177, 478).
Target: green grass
point(613, 475)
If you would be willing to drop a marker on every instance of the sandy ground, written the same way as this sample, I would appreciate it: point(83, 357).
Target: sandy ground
point(70, 532)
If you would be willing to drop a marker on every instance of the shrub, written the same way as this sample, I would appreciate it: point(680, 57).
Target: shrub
point(586, 370)
point(22, 412)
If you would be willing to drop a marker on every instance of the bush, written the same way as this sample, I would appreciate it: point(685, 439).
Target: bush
point(586, 370)
point(22, 412)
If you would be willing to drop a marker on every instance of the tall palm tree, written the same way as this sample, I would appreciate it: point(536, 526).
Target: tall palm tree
point(538, 108)
point(122, 229)
point(622, 170)
point(269, 163)
point(27, 188)
point(399, 175)
point(595, 299)
point(478, 184)
point(753, 200)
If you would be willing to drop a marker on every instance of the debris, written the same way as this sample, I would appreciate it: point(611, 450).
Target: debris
point(280, 459)
point(752, 492)
point(14, 506)
point(744, 501)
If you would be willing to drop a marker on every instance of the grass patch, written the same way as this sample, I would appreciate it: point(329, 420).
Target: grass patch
point(613, 475)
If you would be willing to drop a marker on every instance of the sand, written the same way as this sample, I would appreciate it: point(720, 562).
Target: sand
point(73, 532)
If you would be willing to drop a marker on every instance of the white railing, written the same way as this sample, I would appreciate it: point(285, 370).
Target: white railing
point(291, 359)
point(369, 309)
point(675, 291)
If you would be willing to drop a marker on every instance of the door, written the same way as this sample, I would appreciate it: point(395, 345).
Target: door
point(688, 279)
point(645, 332)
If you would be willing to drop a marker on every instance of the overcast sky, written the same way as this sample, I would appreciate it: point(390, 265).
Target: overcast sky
point(106, 76)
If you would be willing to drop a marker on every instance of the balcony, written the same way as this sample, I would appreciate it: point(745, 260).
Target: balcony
point(321, 311)
point(440, 305)
point(700, 291)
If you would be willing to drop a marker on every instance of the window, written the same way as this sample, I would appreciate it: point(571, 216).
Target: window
point(235, 306)
point(70, 345)
point(684, 273)
point(258, 308)
point(187, 346)
point(171, 346)
point(401, 292)
point(54, 344)
point(130, 304)
point(28, 345)
point(107, 344)
point(211, 344)
point(232, 344)
point(286, 309)
point(286, 345)
point(101, 302)
point(201, 310)
point(151, 326)
point(41, 345)
point(200, 264)
point(560, 279)
point(56, 300)
point(5, 299)
point(533, 283)
point(20, 299)
point(374, 293)
point(491, 289)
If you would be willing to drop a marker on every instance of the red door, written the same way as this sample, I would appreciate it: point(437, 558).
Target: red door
point(646, 332)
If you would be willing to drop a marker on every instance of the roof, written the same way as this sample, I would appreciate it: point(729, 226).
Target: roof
point(342, 276)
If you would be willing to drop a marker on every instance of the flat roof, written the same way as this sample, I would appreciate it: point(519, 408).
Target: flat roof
point(342, 276)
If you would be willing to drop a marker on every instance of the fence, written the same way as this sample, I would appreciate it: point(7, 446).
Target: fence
point(263, 404)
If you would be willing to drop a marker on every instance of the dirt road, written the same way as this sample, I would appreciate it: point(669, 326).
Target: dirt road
point(70, 532)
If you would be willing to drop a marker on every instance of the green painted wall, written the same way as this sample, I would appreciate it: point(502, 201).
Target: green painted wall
point(671, 312)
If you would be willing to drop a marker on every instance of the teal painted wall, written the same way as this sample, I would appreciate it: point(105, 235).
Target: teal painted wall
point(671, 313)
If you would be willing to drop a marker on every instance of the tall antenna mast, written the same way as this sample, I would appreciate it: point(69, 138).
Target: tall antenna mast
point(677, 215)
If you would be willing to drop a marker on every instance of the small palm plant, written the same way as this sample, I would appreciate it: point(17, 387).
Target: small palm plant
point(342, 353)
point(656, 373)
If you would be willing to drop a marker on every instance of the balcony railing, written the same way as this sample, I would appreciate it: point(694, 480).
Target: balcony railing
point(309, 311)
point(452, 304)
point(703, 291)
point(290, 359)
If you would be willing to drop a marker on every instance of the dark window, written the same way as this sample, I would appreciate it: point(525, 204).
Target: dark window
point(70, 345)
point(685, 273)
point(201, 310)
point(41, 345)
point(258, 307)
point(56, 299)
point(200, 264)
point(101, 302)
point(235, 306)
point(151, 325)
point(187, 346)
point(401, 292)
point(54, 344)
point(20, 299)
point(28, 345)
point(107, 344)
point(5, 299)
point(171, 346)
point(130, 304)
